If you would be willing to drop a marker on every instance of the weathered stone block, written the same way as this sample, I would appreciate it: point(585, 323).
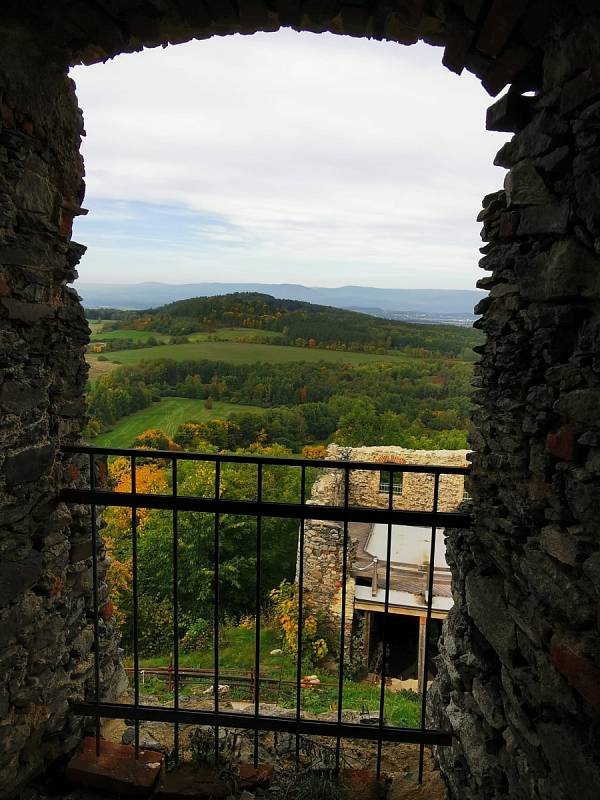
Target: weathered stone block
point(28, 465)
point(570, 764)
point(580, 90)
point(486, 694)
point(487, 607)
point(580, 407)
point(187, 782)
point(543, 220)
point(581, 673)
point(544, 132)
point(507, 67)
point(510, 113)
point(16, 577)
point(29, 313)
point(458, 41)
point(563, 443)
point(567, 270)
point(525, 186)
point(499, 24)
point(115, 769)
point(18, 396)
point(560, 545)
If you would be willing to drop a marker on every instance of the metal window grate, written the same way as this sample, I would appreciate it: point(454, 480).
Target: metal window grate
point(95, 497)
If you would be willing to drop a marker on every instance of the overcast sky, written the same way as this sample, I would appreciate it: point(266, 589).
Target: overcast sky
point(284, 157)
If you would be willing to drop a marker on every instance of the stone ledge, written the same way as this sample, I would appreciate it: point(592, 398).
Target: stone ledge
point(116, 769)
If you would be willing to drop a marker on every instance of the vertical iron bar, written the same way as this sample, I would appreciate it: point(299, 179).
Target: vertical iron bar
point(338, 739)
point(175, 609)
point(436, 489)
point(95, 602)
point(136, 655)
point(217, 610)
point(258, 599)
point(300, 615)
point(386, 613)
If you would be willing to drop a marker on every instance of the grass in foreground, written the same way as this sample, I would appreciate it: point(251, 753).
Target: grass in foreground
point(165, 415)
point(236, 652)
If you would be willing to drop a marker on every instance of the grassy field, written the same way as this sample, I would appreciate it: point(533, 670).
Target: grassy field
point(222, 334)
point(135, 336)
point(236, 652)
point(166, 415)
point(241, 353)
point(96, 324)
point(229, 334)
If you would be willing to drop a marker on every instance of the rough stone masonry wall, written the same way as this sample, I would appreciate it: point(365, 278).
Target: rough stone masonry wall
point(417, 487)
point(323, 561)
point(45, 566)
point(519, 671)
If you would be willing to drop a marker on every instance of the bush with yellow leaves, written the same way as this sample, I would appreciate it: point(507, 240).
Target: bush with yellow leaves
point(284, 612)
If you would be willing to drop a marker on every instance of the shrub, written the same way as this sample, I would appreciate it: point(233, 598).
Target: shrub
point(155, 439)
point(155, 634)
point(315, 451)
point(284, 601)
point(198, 636)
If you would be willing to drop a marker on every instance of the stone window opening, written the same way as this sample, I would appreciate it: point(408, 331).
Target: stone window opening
point(526, 588)
point(396, 479)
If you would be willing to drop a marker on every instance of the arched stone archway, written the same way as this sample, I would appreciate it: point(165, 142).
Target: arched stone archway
point(519, 675)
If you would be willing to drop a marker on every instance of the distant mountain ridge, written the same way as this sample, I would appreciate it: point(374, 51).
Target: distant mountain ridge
point(420, 304)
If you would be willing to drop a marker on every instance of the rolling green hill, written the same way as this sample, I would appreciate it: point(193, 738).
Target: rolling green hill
point(316, 371)
point(299, 323)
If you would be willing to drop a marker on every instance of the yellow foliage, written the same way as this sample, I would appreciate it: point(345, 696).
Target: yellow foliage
point(119, 578)
point(149, 479)
point(285, 607)
point(315, 452)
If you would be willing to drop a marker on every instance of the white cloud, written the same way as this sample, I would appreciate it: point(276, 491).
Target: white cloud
point(327, 160)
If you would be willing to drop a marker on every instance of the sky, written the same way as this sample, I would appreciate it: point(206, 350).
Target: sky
point(284, 157)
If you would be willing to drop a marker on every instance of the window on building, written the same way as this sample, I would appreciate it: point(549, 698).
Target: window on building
point(384, 482)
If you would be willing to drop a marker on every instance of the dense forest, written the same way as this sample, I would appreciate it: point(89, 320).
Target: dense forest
point(298, 324)
point(410, 403)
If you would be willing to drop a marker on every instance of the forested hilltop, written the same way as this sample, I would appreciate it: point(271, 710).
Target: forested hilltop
point(235, 370)
point(296, 323)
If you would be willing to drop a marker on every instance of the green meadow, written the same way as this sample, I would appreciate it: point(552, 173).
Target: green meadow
point(243, 353)
point(222, 334)
point(237, 653)
point(165, 415)
point(121, 333)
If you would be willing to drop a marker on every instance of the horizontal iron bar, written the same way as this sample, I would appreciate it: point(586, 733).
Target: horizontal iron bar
point(252, 722)
point(267, 460)
point(252, 508)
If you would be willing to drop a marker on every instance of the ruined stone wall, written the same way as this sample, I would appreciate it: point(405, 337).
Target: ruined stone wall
point(323, 549)
point(323, 560)
point(520, 662)
point(45, 566)
point(417, 487)
point(519, 671)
